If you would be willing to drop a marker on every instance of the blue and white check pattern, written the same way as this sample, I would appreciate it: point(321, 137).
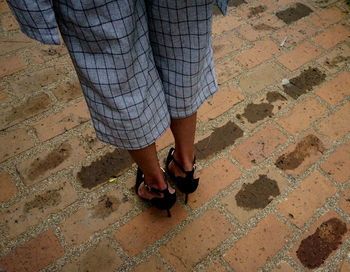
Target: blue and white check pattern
point(139, 62)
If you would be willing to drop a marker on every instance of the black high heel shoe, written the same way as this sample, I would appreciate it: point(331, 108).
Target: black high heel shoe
point(164, 203)
point(187, 184)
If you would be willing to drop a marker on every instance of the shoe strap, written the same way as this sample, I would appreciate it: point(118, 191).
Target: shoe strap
point(180, 166)
point(154, 190)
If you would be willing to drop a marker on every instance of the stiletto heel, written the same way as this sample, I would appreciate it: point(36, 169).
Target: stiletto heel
point(187, 184)
point(164, 203)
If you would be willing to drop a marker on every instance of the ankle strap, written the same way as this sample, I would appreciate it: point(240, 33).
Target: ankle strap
point(180, 166)
point(150, 188)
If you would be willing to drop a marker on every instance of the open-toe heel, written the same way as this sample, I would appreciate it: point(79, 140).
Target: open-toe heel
point(163, 203)
point(187, 184)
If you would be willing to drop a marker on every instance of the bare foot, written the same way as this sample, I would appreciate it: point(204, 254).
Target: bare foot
point(143, 192)
point(178, 172)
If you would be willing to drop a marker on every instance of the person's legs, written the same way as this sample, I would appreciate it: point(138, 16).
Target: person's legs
point(146, 158)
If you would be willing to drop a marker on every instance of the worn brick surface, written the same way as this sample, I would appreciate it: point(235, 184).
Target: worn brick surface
point(337, 125)
point(303, 202)
point(152, 264)
point(4, 8)
point(95, 217)
point(215, 267)
point(257, 9)
point(332, 36)
point(4, 97)
point(269, 236)
point(68, 91)
point(315, 248)
point(327, 17)
point(283, 267)
point(214, 178)
point(259, 147)
point(299, 56)
point(68, 118)
point(14, 142)
point(47, 53)
point(225, 45)
point(9, 23)
point(100, 257)
point(225, 24)
point(337, 164)
point(89, 136)
point(336, 59)
point(306, 112)
point(262, 51)
point(227, 70)
point(49, 162)
point(8, 188)
point(148, 227)
point(222, 101)
point(11, 65)
point(196, 240)
point(37, 207)
point(335, 90)
point(34, 255)
point(261, 77)
point(344, 202)
point(14, 42)
point(254, 197)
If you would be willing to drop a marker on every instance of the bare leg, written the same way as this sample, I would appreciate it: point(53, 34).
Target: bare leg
point(146, 158)
point(184, 131)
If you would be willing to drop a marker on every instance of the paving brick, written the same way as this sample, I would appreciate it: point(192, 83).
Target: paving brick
point(262, 51)
point(329, 235)
point(4, 97)
point(283, 267)
point(4, 8)
point(260, 28)
point(225, 24)
point(30, 107)
point(336, 59)
point(34, 255)
point(335, 90)
point(302, 154)
point(49, 162)
point(226, 45)
point(39, 79)
point(89, 136)
point(327, 17)
point(302, 115)
point(196, 240)
point(261, 109)
point(269, 236)
point(337, 125)
point(219, 103)
point(68, 90)
point(12, 65)
point(95, 217)
point(257, 9)
point(258, 147)
point(296, 33)
point(261, 77)
point(9, 23)
point(165, 140)
point(344, 200)
point(61, 122)
point(255, 194)
point(332, 36)
point(13, 43)
point(337, 164)
point(45, 53)
point(213, 179)
point(17, 141)
point(8, 188)
point(152, 264)
point(227, 70)
point(310, 195)
point(299, 56)
point(215, 267)
point(37, 207)
point(148, 227)
point(344, 266)
point(100, 257)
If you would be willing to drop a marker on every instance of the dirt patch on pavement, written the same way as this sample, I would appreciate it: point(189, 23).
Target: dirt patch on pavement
point(51, 161)
point(105, 206)
point(294, 13)
point(256, 112)
point(333, 63)
point(254, 11)
point(308, 145)
point(304, 82)
point(274, 96)
point(110, 164)
point(263, 26)
point(48, 199)
point(218, 140)
point(258, 194)
point(316, 248)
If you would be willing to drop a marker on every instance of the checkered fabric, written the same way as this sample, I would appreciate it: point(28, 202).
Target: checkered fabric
point(139, 62)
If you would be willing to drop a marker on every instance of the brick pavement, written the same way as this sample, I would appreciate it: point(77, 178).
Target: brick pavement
point(274, 158)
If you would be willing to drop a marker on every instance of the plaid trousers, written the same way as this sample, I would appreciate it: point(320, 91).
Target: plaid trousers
point(139, 62)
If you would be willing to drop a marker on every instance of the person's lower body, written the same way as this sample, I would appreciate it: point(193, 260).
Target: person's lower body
point(143, 65)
